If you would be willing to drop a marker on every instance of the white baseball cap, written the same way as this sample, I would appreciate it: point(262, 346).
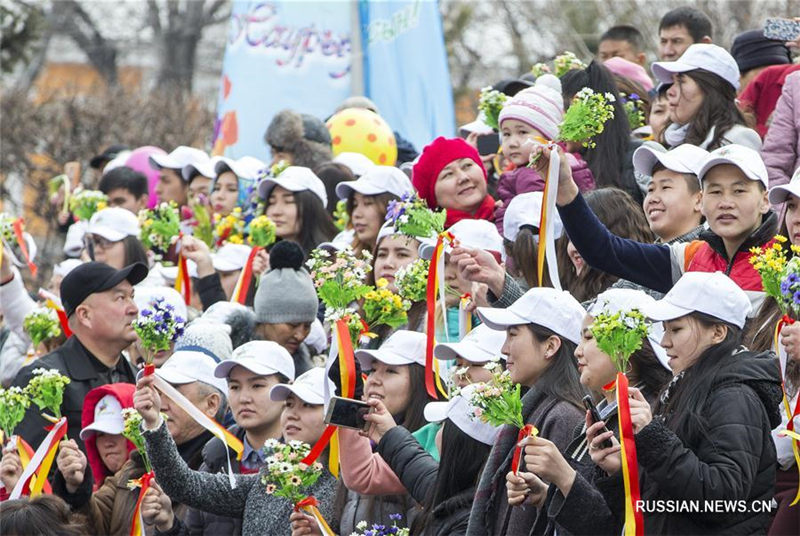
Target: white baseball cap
point(231, 257)
point(179, 157)
point(73, 244)
point(189, 366)
point(526, 209)
point(294, 179)
point(145, 297)
point(712, 293)
point(114, 224)
point(711, 58)
point(355, 162)
point(107, 418)
point(478, 126)
point(118, 161)
point(309, 387)
point(247, 167)
point(170, 273)
point(478, 346)
point(200, 167)
point(779, 194)
point(476, 234)
point(745, 158)
point(461, 413)
point(66, 266)
point(259, 357)
point(685, 158)
point(317, 338)
point(613, 300)
point(377, 180)
point(403, 347)
point(553, 309)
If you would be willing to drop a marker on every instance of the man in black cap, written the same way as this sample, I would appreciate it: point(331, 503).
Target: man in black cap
point(99, 304)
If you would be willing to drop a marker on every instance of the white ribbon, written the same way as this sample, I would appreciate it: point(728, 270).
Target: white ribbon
point(198, 416)
point(37, 459)
point(550, 203)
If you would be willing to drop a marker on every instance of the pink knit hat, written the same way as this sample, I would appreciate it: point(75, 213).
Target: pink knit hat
point(540, 106)
point(434, 158)
point(628, 69)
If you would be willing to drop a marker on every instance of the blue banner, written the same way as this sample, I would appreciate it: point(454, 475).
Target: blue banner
point(298, 54)
point(406, 70)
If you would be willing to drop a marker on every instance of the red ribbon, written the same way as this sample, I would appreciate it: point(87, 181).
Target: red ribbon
point(23, 246)
point(347, 362)
point(149, 369)
point(629, 449)
point(247, 276)
point(430, 295)
point(319, 446)
point(186, 281)
point(144, 482)
point(308, 501)
point(525, 432)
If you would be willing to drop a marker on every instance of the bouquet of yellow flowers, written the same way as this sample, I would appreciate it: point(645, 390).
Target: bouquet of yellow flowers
point(780, 272)
point(382, 306)
point(262, 232)
point(340, 216)
point(229, 228)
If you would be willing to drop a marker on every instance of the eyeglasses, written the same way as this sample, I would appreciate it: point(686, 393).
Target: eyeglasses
point(99, 242)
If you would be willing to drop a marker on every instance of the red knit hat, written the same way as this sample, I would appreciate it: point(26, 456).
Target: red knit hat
point(434, 158)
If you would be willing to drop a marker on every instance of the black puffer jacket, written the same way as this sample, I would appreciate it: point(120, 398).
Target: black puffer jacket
point(732, 460)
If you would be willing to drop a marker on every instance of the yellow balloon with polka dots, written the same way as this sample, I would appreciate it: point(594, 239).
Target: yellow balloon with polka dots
point(358, 130)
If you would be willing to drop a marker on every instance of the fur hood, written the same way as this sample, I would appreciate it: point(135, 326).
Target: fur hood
point(304, 136)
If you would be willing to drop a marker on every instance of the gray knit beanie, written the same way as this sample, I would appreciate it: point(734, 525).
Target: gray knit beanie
point(286, 293)
point(209, 338)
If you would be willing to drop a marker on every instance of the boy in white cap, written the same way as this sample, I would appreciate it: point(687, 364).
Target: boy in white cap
point(733, 180)
point(171, 185)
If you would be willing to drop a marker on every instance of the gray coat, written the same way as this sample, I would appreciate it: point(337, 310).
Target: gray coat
point(261, 514)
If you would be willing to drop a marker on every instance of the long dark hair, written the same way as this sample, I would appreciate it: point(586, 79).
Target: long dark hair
point(718, 110)
point(460, 467)
point(605, 159)
point(413, 417)
point(623, 217)
point(647, 371)
point(685, 401)
point(382, 200)
point(316, 225)
point(134, 251)
point(331, 174)
point(523, 251)
point(561, 379)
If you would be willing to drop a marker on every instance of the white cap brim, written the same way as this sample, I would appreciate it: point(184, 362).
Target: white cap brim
point(663, 310)
point(224, 368)
point(645, 158)
point(105, 426)
point(106, 232)
point(387, 357)
point(500, 319)
point(477, 126)
point(469, 351)
point(716, 161)
point(224, 265)
point(266, 186)
point(281, 392)
point(435, 411)
point(174, 377)
point(160, 161)
point(345, 189)
point(779, 194)
point(663, 70)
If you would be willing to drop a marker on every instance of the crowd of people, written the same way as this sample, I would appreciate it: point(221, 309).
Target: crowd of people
point(662, 213)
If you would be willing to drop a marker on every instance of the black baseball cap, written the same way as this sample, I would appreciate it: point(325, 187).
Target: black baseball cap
point(108, 154)
point(92, 277)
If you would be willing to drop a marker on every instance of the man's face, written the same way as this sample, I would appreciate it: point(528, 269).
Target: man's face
point(171, 187)
point(109, 315)
point(287, 335)
point(181, 426)
point(611, 48)
point(120, 197)
point(199, 185)
point(673, 42)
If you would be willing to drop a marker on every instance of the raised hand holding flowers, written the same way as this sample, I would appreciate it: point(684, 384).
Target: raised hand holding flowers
point(46, 390)
point(13, 403)
point(157, 326)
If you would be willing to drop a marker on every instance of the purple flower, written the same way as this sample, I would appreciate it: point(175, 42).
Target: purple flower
point(634, 96)
point(796, 298)
point(395, 517)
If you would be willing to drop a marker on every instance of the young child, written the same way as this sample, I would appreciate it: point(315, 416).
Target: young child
point(532, 116)
point(734, 184)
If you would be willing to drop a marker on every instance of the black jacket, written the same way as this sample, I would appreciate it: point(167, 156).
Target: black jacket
point(417, 471)
point(85, 372)
point(733, 459)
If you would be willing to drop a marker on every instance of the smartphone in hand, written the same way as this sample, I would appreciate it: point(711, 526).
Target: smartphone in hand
point(588, 403)
point(347, 412)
